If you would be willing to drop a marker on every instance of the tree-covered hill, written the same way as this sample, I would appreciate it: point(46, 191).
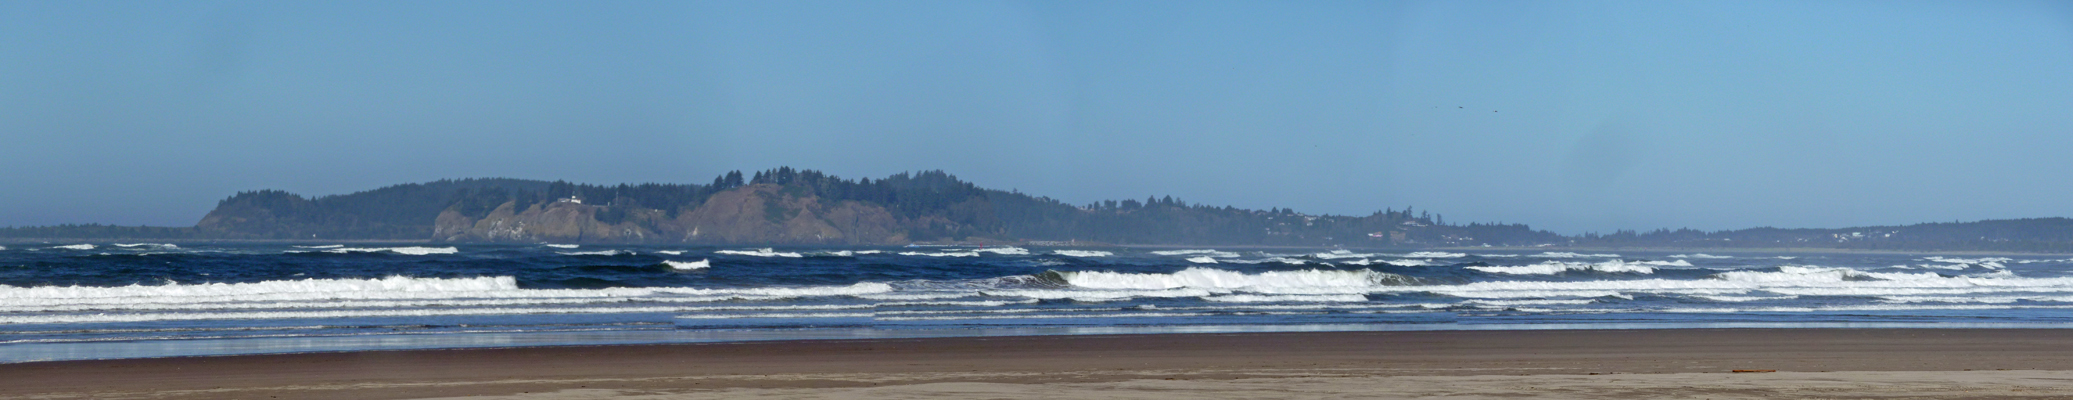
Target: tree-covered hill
point(791, 206)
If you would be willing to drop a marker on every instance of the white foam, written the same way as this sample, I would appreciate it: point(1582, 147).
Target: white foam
point(1209, 253)
point(74, 247)
point(1006, 251)
point(1700, 255)
point(1099, 295)
point(333, 303)
point(1876, 307)
point(1013, 310)
point(987, 303)
point(687, 265)
point(670, 252)
point(1969, 260)
point(1528, 302)
point(1271, 282)
point(1434, 254)
point(1082, 253)
point(251, 315)
point(1975, 299)
point(918, 296)
point(1556, 267)
point(1295, 298)
point(763, 252)
point(328, 246)
point(942, 254)
point(1787, 281)
point(1738, 299)
point(561, 246)
point(1338, 254)
point(160, 246)
point(415, 251)
point(594, 253)
point(787, 315)
point(1962, 263)
point(1791, 273)
point(1282, 260)
point(1411, 263)
point(1115, 315)
point(391, 288)
point(1564, 254)
point(193, 316)
point(1202, 260)
point(393, 284)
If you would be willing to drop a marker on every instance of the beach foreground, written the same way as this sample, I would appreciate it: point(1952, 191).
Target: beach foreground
point(1695, 363)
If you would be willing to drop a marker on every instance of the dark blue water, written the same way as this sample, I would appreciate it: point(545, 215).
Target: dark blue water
point(103, 300)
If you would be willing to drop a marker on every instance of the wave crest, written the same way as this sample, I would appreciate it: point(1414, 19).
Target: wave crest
point(1291, 282)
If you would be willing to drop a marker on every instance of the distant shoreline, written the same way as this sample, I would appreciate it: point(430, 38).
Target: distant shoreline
point(1709, 250)
point(65, 241)
point(1768, 250)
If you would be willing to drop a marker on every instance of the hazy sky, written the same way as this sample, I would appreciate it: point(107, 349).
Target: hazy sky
point(1571, 116)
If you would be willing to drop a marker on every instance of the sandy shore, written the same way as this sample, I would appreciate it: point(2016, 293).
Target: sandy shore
point(1818, 363)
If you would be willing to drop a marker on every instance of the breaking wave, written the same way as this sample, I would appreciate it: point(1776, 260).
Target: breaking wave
point(594, 253)
point(700, 264)
point(1564, 254)
point(1273, 282)
point(1556, 267)
point(763, 252)
point(1006, 251)
point(942, 254)
point(1205, 253)
point(1338, 254)
point(1293, 298)
point(497, 291)
point(413, 250)
point(1082, 253)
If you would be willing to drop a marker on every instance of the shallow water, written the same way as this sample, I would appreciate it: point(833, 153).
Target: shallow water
point(104, 300)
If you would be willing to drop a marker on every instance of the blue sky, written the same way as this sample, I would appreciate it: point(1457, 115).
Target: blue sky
point(1571, 116)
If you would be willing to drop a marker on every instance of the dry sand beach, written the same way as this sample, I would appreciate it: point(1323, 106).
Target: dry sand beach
point(1680, 363)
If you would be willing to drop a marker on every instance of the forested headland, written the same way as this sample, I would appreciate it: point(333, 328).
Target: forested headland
point(786, 206)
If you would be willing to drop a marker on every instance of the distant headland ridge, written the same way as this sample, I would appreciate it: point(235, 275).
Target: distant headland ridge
point(787, 206)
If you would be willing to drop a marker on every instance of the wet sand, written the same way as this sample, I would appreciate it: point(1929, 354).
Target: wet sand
point(1822, 363)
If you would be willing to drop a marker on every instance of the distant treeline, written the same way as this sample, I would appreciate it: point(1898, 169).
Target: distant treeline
point(98, 231)
point(970, 212)
point(936, 206)
point(2020, 235)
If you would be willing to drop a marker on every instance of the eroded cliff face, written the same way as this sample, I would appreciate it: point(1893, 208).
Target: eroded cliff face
point(769, 214)
point(553, 222)
point(754, 214)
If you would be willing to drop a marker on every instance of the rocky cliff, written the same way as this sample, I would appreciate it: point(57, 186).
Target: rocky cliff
point(753, 214)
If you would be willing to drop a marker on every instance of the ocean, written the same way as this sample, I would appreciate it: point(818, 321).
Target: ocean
point(72, 301)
